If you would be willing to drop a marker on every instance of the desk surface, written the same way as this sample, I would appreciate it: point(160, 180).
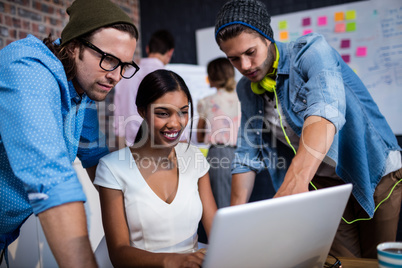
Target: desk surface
point(358, 263)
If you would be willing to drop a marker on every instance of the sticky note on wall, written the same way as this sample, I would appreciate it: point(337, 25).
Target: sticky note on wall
point(322, 21)
point(284, 35)
point(340, 27)
point(306, 21)
point(351, 15)
point(339, 16)
point(351, 26)
point(283, 25)
point(345, 43)
point(346, 58)
point(307, 31)
point(361, 51)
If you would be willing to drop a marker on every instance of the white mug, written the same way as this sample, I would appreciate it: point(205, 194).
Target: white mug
point(389, 254)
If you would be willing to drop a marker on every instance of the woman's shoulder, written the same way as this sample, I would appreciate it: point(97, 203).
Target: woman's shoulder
point(122, 155)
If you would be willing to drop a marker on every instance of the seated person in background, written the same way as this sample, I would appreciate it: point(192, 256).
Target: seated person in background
point(218, 124)
point(154, 193)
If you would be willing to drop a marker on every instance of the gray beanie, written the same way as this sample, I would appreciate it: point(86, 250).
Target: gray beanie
point(89, 15)
point(251, 13)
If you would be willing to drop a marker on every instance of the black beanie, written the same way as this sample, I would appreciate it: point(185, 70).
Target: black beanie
point(251, 13)
point(89, 15)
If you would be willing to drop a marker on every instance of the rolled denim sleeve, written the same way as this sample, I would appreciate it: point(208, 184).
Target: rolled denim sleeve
point(323, 93)
point(32, 132)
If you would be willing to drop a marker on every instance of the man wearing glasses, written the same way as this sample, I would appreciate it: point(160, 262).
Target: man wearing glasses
point(49, 117)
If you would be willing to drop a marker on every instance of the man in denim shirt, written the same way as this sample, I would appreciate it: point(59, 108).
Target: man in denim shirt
point(49, 117)
point(309, 119)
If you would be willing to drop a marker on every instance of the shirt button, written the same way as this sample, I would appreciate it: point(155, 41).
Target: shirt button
point(260, 111)
point(258, 133)
point(304, 101)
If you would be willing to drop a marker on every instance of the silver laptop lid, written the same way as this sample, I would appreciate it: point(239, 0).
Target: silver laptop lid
point(290, 231)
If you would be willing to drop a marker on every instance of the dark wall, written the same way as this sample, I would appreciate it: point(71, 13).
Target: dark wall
point(184, 17)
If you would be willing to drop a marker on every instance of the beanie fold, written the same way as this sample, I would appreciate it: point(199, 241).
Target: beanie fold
point(250, 13)
point(89, 15)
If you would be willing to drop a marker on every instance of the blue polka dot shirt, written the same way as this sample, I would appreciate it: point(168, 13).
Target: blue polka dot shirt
point(44, 126)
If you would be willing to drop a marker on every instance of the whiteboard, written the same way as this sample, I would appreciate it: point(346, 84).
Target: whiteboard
point(367, 34)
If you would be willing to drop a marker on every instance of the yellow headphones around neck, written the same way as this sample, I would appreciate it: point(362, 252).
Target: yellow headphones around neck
point(268, 83)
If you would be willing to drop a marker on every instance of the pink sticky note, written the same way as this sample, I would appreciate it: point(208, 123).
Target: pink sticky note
point(345, 43)
point(361, 51)
point(307, 31)
point(322, 21)
point(340, 27)
point(306, 22)
point(346, 58)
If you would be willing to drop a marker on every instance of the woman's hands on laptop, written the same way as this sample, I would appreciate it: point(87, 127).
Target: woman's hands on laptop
point(185, 260)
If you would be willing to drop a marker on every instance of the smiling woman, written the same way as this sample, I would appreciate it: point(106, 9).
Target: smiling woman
point(164, 94)
point(167, 116)
point(158, 190)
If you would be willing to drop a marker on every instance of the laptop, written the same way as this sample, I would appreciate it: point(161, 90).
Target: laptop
point(290, 231)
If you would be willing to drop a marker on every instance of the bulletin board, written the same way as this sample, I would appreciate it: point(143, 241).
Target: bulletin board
point(367, 34)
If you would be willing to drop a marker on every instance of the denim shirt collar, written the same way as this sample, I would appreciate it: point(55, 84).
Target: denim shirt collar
point(75, 97)
point(284, 55)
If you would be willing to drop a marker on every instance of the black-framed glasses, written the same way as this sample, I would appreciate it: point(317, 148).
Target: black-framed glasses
point(109, 62)
point(332, 262)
